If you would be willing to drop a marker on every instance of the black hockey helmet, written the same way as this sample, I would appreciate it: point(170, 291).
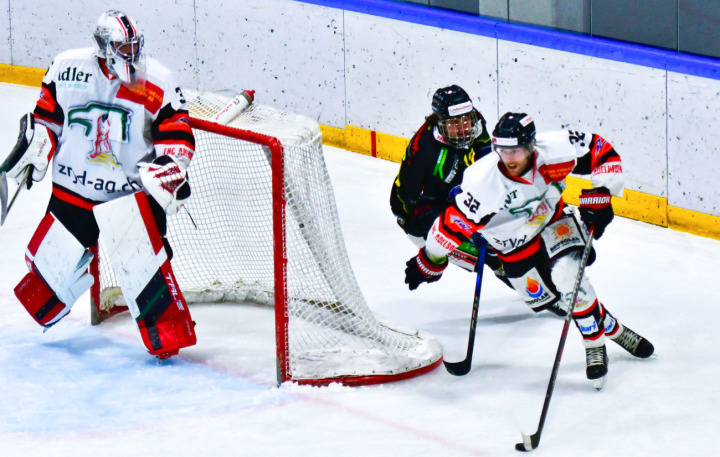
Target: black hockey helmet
point(457, 119)
point(514, 129)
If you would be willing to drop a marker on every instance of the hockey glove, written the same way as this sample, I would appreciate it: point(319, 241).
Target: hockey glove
point(595, 209)
point(421, 269)
point(35, 147)
point(165, 179)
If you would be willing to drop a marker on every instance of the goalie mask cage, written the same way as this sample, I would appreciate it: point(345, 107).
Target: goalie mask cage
point(263, 228)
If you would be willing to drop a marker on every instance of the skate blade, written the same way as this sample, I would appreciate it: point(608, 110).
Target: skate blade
point(599, 383)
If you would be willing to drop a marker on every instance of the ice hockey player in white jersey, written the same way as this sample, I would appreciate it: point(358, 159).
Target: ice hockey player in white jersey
point(116, 125)
point(514, 200)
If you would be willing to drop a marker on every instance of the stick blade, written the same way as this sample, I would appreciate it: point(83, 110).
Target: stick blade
point(529, 443)
point(3, 197)
point(457, 368)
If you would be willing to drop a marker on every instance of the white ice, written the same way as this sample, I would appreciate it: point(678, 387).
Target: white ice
point(80, 390)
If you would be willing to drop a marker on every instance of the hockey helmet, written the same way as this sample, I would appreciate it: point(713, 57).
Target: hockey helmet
point(120, 43)
point(458, 121)
point(513, 130)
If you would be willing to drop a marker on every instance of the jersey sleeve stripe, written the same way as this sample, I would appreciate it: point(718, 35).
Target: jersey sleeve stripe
point(173, 127)
point(456, 226)
point(47, 108)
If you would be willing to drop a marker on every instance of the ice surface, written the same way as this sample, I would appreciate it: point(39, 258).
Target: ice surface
point(79, 390)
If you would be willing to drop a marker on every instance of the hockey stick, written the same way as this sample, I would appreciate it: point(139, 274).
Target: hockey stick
point(463, 367)
point(11, 160)
point(5, 208)
point(533, 441)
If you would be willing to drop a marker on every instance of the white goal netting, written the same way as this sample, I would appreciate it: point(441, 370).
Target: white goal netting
point(262, 226)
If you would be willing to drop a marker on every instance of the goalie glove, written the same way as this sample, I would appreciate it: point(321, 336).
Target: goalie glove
point(165, 179)
point(595, 209)
point(35, 147)
point(421, 269)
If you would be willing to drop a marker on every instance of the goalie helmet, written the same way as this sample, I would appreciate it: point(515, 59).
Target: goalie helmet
point(120, 43)
point(513, 130)
point(458, 122)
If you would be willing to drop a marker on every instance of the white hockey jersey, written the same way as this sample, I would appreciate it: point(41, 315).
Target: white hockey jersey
point(510, 212)
point(105, 128)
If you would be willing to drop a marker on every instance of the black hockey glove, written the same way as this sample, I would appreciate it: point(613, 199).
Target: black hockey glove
point(595, 209)
point(420, 269)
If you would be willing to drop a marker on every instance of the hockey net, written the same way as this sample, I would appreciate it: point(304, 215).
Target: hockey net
point(263, 228)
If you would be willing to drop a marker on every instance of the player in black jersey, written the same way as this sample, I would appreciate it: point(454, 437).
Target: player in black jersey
point(449, 141)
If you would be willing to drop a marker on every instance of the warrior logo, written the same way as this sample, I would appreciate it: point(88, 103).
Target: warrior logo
point(103, 125)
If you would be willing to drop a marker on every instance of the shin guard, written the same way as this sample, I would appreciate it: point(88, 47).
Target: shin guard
point(138, 257)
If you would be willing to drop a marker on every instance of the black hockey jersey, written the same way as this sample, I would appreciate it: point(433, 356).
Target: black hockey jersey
point(429, 170)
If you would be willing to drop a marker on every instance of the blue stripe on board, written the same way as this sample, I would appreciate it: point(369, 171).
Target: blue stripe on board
point(562, 41)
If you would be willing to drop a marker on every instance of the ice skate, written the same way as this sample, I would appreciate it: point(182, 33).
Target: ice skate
point(633, 343)
point(597, 365)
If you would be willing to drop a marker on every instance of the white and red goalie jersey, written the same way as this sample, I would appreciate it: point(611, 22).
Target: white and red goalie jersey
point(104, 128)
point(510, 212)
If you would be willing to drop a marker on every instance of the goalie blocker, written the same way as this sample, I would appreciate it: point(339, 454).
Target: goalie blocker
point(142, 266)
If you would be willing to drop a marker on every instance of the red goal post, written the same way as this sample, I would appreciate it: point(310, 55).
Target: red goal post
point(262, 227)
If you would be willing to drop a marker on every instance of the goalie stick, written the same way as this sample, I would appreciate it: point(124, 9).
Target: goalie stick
point(463, 367)
point(4, 204)
point(20, 147)
point(531, 442)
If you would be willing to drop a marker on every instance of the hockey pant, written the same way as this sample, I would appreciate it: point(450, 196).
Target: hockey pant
point(543, 272)
point(141, 264)
point(58, 272)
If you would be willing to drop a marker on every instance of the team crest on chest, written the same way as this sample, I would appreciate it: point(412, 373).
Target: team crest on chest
point(103, 125)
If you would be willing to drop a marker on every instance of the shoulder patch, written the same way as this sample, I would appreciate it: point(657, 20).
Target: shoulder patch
point(556, 171)
point(147, 94)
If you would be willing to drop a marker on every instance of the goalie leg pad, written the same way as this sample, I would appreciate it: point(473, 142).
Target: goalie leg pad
point(138, 256)
point(40, 301)
point(58, 272)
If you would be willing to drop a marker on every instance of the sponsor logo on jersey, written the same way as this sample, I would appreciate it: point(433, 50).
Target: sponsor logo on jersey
point(459, 222)
point(107, 186)
point(561, 235)
point(72, 74)
point(607, 169)
point(556, 171)
point(533, 288)
point(562, 230)
point(102, 152)
point(146, 93)
point(102, 124)
point(537, 211)
point(510, 242)
point(509, 198)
